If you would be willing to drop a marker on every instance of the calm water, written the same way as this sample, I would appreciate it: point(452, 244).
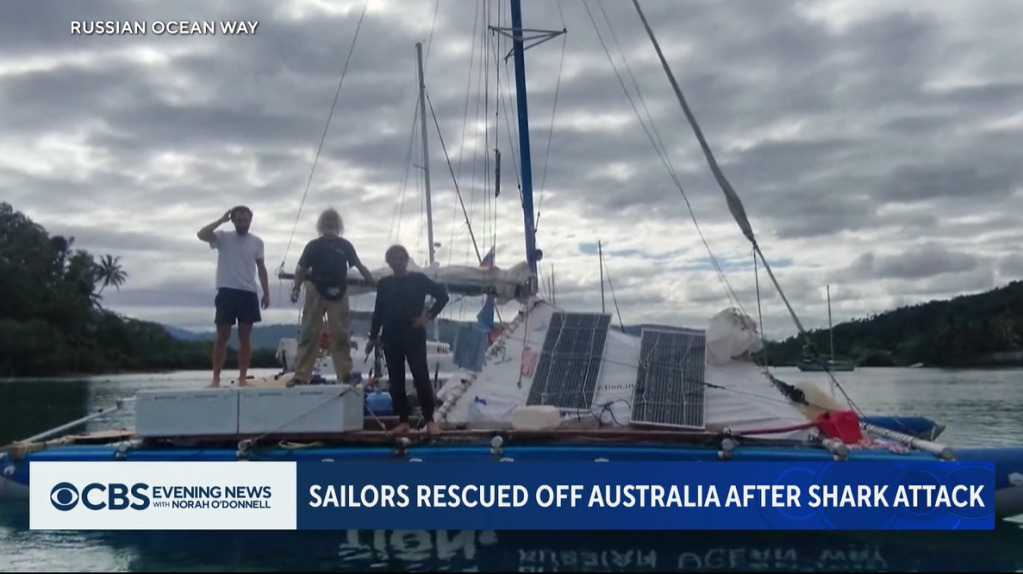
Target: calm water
point(981, 408)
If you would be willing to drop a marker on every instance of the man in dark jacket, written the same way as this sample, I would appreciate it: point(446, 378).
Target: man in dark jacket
point(399, 311)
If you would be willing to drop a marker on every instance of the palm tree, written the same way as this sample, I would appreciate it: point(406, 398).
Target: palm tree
point(110, 273)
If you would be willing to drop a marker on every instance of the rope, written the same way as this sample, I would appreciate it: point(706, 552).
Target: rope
point(323, 138)
point(614, 299)
point(454, 180)
point(395, 231)
point(550, 131)
point(465, 122)
point(732, 197)
point(760, 312)
point(655, 140)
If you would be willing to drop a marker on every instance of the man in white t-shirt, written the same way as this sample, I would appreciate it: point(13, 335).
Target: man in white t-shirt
point(239, 256)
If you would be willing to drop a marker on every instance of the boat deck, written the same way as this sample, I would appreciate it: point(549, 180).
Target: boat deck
point(377, 441)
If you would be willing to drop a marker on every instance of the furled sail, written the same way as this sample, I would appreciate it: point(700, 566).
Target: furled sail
point(504, 284)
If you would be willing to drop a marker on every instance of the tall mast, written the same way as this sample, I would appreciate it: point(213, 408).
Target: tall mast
point(522, 110)
point(517, 34)
point(600, 255)
point(426, 153)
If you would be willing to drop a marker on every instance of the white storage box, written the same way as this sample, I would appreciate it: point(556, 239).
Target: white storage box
point(536, 418)
point(317, 409)
point(188, 412)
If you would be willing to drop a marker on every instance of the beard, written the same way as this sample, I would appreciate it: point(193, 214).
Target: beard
point(242, 229)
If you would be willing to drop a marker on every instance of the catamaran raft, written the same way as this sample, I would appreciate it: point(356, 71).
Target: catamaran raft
point(554, 385)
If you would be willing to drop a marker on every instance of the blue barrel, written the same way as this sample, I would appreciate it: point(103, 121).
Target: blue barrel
point(378, 403)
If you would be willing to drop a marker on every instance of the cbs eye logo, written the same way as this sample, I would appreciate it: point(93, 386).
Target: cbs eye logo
point(64, 496)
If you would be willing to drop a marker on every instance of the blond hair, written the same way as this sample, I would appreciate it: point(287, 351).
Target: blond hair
point(330, 222)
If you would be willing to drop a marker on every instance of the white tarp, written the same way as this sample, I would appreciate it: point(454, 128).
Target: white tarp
point(748, 400)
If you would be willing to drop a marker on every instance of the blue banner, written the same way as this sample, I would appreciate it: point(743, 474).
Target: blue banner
point(646, 496)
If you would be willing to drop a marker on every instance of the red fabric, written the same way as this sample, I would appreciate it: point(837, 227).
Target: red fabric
point(841, 425)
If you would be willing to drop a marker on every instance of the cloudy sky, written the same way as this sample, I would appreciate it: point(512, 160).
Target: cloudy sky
point(875, 144)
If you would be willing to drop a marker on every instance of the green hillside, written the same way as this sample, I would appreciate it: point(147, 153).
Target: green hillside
point(984, 329)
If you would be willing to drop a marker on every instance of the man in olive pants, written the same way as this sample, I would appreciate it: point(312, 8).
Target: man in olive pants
point(323, 268)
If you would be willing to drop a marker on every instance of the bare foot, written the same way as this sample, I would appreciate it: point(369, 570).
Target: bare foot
point(433, 428)
point(213, 385)
point(402, 428)
point(244, 384)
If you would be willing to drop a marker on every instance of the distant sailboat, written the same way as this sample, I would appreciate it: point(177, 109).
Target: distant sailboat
point(810, 365)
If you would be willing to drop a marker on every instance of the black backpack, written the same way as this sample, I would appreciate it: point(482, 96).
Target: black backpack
point(331, 275)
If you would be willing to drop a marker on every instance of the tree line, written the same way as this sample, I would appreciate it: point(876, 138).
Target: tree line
point(984, 329)
point(52, 321)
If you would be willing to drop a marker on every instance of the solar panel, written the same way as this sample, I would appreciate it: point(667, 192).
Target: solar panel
point(573, 350)
point(670, 381)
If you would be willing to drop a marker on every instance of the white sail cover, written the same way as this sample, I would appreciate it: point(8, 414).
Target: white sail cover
point(507, 284)
point(740, 397)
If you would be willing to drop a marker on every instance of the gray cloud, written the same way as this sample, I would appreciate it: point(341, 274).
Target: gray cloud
point(916, 263)
point(867, 141)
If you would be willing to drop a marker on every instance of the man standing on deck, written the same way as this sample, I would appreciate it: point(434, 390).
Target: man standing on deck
point(324, 264)
point(239, 256)
point(400, 312)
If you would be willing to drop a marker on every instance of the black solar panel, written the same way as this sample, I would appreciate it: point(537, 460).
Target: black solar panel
point(670, 382)
point(573, 350)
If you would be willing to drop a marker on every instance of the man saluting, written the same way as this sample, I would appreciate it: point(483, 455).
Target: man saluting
point(401, 298)
point(239, 256)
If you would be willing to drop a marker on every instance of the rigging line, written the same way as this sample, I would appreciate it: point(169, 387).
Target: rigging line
point(760, 313)
point(607, 273)
point(451, 169)
point(512, 132)
point(487, 204)
point(554, 109)
point(497, 129)
point(734, 203)
point(465, 123)
point(316, 159)
point(480, 80)
point(662, 154)
point(429, 41)
point(408, 171)
point(395, 232)
point(655, 140)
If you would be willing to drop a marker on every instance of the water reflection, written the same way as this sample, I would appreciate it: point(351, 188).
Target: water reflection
point(516, 551)
point(24, 414)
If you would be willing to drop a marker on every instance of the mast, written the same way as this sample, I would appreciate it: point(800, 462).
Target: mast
point(600, 255)
point(517, 34)
point(426, 153)
point(426, 168)
point(522, 111)
point(831, 329)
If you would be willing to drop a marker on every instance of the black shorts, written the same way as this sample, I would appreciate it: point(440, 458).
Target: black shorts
point(236, 306)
